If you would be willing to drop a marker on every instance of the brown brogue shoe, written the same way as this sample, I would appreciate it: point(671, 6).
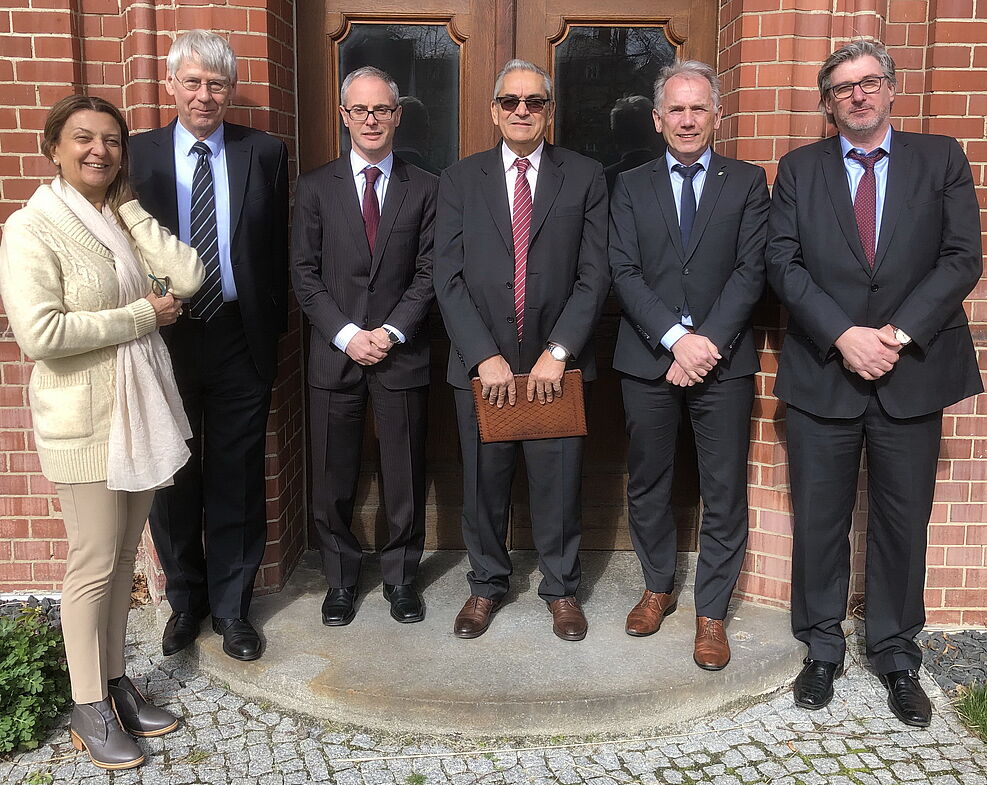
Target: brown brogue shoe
point(568, 621)
point(712, 650)
point(645, 617)
point(472, 621)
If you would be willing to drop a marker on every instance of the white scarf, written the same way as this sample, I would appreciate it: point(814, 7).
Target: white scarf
point(148, 427)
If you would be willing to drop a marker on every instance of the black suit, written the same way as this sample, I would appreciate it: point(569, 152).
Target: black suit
point(567, 282)
point(721, 277)
point(225, 368)
point(928, 258)
point(337, 282)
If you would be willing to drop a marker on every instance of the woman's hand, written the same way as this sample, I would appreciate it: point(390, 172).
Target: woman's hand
point(167, 309)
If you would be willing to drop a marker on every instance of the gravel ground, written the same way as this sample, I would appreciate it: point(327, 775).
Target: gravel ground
point(227, 739)
point(955, 659)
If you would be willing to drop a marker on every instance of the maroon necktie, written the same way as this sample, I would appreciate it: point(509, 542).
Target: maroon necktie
point(865, 202)
point(521, 223)
point(371, 207)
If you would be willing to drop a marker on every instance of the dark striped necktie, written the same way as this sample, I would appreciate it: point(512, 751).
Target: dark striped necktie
point(205, 237)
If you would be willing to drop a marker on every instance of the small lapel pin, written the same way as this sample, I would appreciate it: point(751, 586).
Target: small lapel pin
point(719, 174)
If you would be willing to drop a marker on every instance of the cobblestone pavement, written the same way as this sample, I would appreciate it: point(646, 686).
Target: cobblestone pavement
point(227, 739)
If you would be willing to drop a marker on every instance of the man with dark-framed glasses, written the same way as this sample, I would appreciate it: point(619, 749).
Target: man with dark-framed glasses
point(873, 243)
point(361, 260)
point(521, 274)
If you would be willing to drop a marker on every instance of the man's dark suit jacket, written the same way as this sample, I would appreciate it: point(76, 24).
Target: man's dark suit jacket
point(720, 274)
point(337, 281)
point(928, 259)
point(257, 164)
point(568, 274)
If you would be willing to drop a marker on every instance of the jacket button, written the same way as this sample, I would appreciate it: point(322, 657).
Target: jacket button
point(370, 288)
point(685, 271)
point(874, 287)
point(510, 284)
point(677, 309)
point(510, 319)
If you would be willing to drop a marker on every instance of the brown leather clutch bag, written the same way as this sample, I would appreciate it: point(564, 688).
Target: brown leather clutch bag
point(564, 416)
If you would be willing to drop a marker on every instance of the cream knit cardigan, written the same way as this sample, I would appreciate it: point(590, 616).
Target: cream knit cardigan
point(59, 291)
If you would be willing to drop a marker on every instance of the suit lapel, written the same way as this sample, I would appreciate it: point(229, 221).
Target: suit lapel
point(900, 164)
point(549, 184)
point(712, 186)
point(397, 189)
point(495, 192)
point(165, 198)
point(238, 158)
point(662, 185)
point(344, 187)
point(839, 194)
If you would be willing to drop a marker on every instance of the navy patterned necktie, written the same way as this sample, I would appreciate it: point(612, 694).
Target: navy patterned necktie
point(865, 202)
point(204, 236)
point(687, 207)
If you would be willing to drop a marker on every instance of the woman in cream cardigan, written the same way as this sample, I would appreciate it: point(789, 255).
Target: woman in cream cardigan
point(87, 277)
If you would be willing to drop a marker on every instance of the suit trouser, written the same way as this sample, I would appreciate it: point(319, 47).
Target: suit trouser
point(824, 460)
point(103, 529)
point(337, 423)
point(554, 469)
point(219, 495)
point(720, 412)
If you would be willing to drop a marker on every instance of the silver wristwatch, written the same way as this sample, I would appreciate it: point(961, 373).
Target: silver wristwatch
point(902, 337)
point(559, 352)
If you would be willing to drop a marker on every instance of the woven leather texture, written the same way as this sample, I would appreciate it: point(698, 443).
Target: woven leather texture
point(564, 416)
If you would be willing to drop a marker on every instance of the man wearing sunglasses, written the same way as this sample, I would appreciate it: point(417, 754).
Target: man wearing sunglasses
point(520, 276)
point(873, 243)
point(361, 262)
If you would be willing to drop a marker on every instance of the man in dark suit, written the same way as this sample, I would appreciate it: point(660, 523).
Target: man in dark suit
point(873, 242)
point(361, 256)
point(223, 188)
point(687, 255)
point(520, 276)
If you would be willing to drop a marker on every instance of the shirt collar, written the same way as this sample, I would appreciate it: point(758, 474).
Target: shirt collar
point(184, 140)
point(510, 156)
point(704, 159)
point(885, 145)
point(358, 164)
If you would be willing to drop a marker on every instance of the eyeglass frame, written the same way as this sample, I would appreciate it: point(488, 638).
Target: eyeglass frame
point(358, 108)
point(160, 286)
point(537, 108)
point(860, 84)
point(213, 86)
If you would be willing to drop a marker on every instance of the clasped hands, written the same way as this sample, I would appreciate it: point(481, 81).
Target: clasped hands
point(369, 347)
point(695, 356)
point(497, 380)
point(867, 352)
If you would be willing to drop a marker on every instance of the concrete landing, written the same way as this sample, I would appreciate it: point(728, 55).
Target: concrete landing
point(518, 679)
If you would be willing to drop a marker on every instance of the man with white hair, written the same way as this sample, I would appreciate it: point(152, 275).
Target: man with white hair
point(222, 188)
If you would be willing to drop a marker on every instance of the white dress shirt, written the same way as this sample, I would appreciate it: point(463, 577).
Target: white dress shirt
point(510, 171)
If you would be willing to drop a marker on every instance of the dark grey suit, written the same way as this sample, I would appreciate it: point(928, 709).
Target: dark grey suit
point(721, 277)
point(338, 281)
point(567, 282)
point(928, 258)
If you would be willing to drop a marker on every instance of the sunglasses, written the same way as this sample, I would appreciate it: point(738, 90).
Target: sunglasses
point(511, 102)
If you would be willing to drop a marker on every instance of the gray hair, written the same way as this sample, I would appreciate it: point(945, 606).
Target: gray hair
point(523, 65)
point(847, 53)
point(213, 52)
point(376, 73)
point(689, 69)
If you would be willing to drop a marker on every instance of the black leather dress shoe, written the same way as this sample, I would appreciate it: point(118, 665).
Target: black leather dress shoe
point(407, 605)
point(813, 687)
point(240, 639)
point(337, 607)
point(906, 698)
point(182, 628)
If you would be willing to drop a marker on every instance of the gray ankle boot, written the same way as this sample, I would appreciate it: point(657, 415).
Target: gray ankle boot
point(95, 728)
point(137, 715)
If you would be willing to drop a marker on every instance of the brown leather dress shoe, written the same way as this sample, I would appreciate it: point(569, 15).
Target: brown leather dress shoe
point(712, 650)
point(645, 617)
point(472, 621)
point(568, 621)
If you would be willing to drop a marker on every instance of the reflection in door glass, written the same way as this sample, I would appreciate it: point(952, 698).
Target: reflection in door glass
point(604, 77)
point(424, 61)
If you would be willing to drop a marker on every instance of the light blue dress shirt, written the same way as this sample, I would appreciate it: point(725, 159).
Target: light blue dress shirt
point(185, 161)
point(855, 172)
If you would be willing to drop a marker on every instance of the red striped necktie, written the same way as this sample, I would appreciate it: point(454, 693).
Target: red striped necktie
point(521, 223)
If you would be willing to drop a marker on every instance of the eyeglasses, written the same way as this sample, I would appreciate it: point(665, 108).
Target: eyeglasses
point(214, 86)
point(511, 102)
point(160, 286)
point(359, 114)
point(869, 84)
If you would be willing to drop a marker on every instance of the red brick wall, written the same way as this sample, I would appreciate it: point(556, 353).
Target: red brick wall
point(770, 51)
point(116, 49)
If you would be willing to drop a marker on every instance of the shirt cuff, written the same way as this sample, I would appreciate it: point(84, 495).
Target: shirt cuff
point(674, 333)
point(396, 331)
point(344, 336)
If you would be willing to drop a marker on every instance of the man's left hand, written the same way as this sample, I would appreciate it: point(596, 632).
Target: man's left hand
point(545, 379)
point(381, 339)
